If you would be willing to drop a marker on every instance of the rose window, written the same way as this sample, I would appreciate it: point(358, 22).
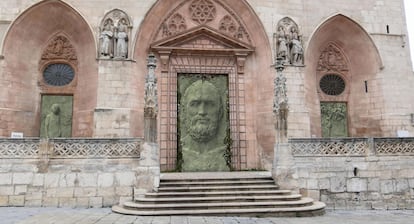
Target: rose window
point(332, 85)
point(58, 74)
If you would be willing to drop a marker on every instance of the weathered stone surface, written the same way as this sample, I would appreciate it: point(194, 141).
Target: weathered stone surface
point(87, 179)
point(338, 184)
point(386, 186)
point(22, 178)
point(105, 180)
point(4, 201)
point(95, 202)
point(356, 185)
point(16, 200)
point(125, 178)
point(5, 178)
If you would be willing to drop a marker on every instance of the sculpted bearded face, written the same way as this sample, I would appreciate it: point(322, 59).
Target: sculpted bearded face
point(203, 110)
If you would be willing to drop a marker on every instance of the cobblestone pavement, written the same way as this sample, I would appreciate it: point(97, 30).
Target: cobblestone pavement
point(10, 215)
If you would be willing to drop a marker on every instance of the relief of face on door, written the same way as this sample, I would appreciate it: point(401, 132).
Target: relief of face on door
point(203, 118)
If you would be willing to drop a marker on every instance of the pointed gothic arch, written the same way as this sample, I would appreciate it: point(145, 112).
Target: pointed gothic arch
point(32, 31)
point(363, 63)
point(221, 41)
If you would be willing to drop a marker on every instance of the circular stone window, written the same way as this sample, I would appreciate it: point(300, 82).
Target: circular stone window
point(332, 85)
point(58, 74)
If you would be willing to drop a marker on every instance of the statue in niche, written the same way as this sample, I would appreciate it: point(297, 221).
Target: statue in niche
point(282, 51)
point(288, 42)
point(53, 122)
point(202, 115)
point(122, 40)
point(296, 57)
point(106, 40)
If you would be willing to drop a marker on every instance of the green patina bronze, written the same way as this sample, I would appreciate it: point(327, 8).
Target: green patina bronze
point(56, 117)
point(334, 120)
point(203, 122)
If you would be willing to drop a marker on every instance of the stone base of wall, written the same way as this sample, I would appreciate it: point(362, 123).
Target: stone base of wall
point(66, 183)
point(73, 173)
point(356, 173)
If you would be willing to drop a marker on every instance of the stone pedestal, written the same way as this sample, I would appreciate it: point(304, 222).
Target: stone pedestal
point(284, 171)
point(148, 171)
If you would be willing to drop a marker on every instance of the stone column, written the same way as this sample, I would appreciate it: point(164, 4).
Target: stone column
point(148, 173)
point(283, 164)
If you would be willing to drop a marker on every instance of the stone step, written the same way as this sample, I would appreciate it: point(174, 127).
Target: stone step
point(246, 198)
point(215, 182)
point(317, 208)
point(200, 176)
point(221, 194)
point(218, 193)
point(219, 188)
point(225, 205)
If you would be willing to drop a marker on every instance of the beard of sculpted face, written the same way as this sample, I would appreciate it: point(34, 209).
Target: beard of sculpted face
point(203, 110)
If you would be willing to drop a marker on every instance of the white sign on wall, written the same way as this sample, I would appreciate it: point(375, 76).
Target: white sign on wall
point(16, 135)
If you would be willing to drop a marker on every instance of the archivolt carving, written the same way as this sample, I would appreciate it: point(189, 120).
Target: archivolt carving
point(332, 59)
point(59, 48)
point(202, 11)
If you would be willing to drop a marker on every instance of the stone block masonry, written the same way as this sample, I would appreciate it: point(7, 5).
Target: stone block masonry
point(70, 173)
point(356, 173)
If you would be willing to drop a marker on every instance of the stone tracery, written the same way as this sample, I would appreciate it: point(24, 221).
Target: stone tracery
point(202, 11)
point(176, 24)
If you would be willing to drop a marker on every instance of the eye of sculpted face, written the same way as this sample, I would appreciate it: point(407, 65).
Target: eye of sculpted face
point(203, 110)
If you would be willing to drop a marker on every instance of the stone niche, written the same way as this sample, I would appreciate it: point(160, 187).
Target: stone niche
point(114, 36)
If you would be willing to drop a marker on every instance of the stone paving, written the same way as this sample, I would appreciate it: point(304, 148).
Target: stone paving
point(10, 215)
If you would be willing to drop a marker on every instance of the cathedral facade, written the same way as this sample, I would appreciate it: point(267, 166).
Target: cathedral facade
point(85, 69)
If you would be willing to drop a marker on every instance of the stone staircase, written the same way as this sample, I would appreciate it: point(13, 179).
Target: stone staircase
point(221, 194)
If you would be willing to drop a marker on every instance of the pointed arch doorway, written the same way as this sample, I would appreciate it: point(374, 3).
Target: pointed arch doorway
point(214, 42)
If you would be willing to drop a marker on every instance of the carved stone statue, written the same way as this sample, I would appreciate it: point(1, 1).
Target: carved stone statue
point(288, 42)
point(282, 51)
point(122, 40)
point(53, 122)
point(202, 112)
point(106, 41)
point(296, 57)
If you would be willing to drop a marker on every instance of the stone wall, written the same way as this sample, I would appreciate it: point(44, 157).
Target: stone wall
point(72, 173)
point(356, 173)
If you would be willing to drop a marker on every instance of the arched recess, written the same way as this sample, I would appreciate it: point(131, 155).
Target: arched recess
point(364, 64)
point(26, 40)
point(233, 25)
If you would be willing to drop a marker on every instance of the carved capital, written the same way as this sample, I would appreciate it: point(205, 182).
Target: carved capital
point(165, 59)
point(241, 59)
